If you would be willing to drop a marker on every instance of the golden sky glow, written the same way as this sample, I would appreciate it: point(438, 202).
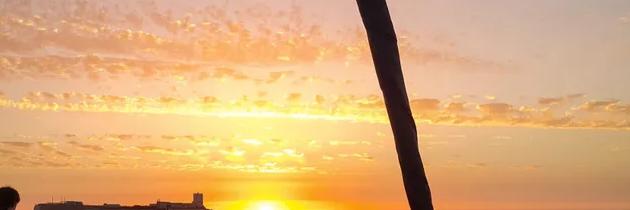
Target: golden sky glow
point(275, 105)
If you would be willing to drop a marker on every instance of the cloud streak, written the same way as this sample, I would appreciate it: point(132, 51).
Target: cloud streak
point(177, 152)
point(40, 42)
point(608, 114)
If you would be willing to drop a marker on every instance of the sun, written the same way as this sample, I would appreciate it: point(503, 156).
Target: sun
point(267, 205)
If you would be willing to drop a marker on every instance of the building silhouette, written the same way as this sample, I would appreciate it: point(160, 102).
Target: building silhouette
point(196, 204)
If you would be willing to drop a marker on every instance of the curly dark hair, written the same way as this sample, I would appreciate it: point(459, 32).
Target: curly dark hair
point(9, 198)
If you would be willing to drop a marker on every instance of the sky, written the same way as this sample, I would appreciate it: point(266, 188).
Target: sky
point(275, 105)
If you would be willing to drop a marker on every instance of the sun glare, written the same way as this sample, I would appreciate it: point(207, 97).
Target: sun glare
point(267, 205)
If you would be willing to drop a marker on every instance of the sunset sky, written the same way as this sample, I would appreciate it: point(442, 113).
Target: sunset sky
point(274, 105)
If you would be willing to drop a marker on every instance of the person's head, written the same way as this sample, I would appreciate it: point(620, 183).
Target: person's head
point(9, 198)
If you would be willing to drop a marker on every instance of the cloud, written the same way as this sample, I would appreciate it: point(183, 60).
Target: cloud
point(294, 97)
point(358, 156)
point(122, 137)
point(315, 79)
point(503, 137)
point(559, 100)
point(370, 101)
point(283, 156)
point(233, 154)
point(6, 151)
point(576, 112)
point(165, 151)
point(495, 109)
point(593, 106)
point(424, 105)
point(173, 152)
point(52, 148)
point(264, 168)
point(52, 164)
point(278, 75)
point(320, 100)
point(348, 143)
point(31, 159)
point(223, 72)
point(102, 67)
point(327, 157)
point(478, 165)
point(16, 143)
point(91, 147)
point(618, 108)
point(456, 107)
point(185, 42)
point(550, 101)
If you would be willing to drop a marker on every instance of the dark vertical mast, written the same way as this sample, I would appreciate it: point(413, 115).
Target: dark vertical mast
point(384, 48)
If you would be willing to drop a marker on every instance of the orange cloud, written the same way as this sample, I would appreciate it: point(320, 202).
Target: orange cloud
point(495, 109)
point(164, 151)
point(183, 42)
point(16, 143)
point(91, 147)
point(598, 105)
point(611, 114)
point(424, 105)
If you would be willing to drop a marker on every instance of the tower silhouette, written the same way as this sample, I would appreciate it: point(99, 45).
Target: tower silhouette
point(197, 199)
